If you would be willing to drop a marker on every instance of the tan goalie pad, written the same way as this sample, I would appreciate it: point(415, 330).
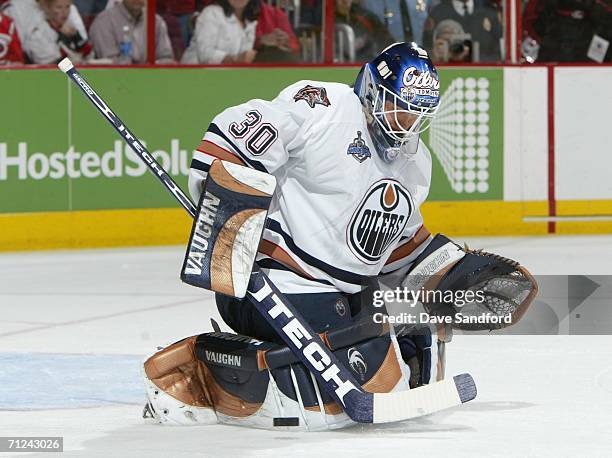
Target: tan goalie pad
point(176, 371)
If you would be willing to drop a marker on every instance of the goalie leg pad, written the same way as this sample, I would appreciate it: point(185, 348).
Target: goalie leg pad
point(226, 378)
point(173, 383)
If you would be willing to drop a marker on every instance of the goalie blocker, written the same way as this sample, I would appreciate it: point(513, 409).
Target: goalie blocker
point(229, 222)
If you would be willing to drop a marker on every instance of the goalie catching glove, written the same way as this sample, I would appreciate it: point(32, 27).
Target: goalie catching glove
point(500, 287)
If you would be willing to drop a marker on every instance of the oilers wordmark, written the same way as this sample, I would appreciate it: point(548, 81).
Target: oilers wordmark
point(379, 220)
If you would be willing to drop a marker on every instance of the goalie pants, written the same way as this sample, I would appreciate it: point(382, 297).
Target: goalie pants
point(323, 311)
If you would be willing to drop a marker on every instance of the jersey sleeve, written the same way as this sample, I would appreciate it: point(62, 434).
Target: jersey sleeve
point(260, 134)
point(409, 247)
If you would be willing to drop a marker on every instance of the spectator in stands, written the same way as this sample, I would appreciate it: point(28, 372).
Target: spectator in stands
point(90, 7)
point(108, 30)
point(415, 14)
point(275, 40)
point(480, 21)
point(403, 18)
point(179, 16)
point(181, 10)
point(602, 25)
point(56, 37)
point(10, 45)
point(224, 33)
point(28, 16)
point(371, 36)
point(450, 43)
point(311, 12)
point(562, 28)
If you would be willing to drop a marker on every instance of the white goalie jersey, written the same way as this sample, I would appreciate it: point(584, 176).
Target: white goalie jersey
point(340, 213)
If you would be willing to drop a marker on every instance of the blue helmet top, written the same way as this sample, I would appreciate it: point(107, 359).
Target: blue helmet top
point(400, 93)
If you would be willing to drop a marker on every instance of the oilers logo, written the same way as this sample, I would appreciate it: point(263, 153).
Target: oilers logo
point(379, 220)
point(409, 93)
point(357, 362)
point(340, 307)
point(358, 148)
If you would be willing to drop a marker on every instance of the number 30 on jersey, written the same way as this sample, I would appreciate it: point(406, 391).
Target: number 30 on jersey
point(260, 136)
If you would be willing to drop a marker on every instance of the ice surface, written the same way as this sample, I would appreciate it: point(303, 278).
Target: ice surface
point(74, 326)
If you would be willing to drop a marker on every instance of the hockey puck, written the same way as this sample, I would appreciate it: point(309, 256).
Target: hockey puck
point(286, 421)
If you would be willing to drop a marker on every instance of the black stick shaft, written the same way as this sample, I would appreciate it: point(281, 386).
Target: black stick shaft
point(131, 139)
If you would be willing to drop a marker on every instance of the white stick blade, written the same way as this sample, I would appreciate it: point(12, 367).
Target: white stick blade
point(425, 400)
point(65, 65)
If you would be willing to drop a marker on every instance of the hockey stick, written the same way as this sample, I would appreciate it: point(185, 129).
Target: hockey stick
point(337, 380)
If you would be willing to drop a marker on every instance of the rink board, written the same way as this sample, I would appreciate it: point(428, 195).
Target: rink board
point(72, 183)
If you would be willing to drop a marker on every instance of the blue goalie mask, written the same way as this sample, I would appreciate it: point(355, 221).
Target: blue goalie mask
point(400, 94)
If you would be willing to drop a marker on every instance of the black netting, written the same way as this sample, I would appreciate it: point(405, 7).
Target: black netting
point(502, 297)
